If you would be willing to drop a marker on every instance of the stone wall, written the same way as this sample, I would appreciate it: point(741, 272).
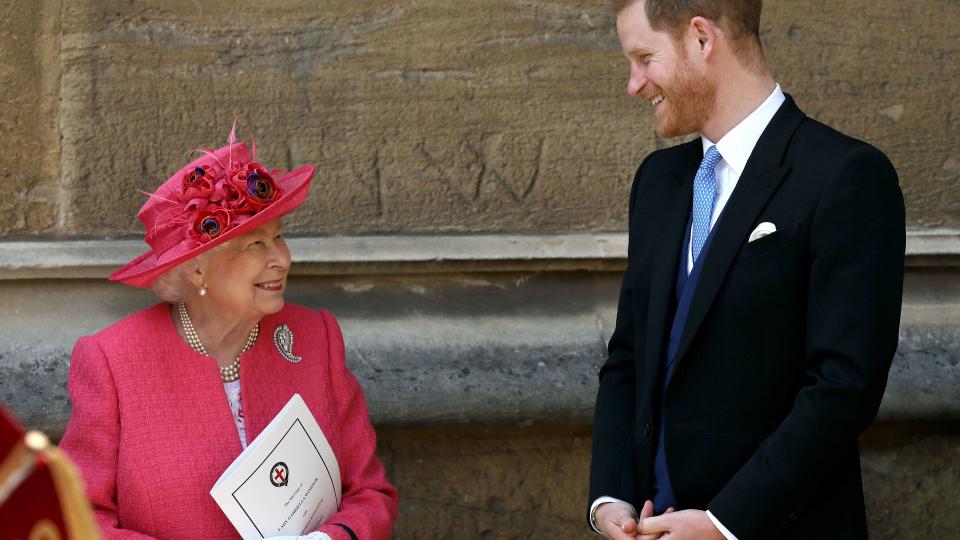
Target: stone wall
point(481, 375)
point(423, 115)
point(517, 484)
point(428, 120)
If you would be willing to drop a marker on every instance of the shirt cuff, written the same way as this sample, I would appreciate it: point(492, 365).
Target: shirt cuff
point(723, 530)
point(603, 500)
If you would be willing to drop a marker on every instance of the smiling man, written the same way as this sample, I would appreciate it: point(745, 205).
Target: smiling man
point(760, 308)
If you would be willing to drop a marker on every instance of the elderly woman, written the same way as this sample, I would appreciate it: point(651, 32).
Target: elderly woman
point(165, 399)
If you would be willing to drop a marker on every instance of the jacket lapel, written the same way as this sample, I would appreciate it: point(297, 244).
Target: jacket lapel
point(673, 212)
point(196, 388)
point(268, 381)
point(761, 176)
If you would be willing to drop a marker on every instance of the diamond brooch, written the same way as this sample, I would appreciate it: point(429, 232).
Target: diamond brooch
point(283, 340)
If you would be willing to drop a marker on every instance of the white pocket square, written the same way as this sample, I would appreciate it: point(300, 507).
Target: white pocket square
point(762, 230)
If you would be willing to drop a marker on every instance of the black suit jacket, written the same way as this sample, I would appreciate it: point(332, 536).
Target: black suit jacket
point(788, 341)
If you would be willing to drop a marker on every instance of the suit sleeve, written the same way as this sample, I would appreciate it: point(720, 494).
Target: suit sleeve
point(855, 286)
point(92, 437)
point(369, 505)
point(613, 423)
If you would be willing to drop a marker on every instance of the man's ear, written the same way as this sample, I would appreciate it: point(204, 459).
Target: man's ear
point(706, 34)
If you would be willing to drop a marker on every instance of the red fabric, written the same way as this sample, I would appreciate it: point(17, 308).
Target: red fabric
point(11, 432)
point(151, 429)
point(34, 501)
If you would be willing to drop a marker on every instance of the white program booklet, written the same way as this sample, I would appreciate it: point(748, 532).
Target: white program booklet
point(287, 481)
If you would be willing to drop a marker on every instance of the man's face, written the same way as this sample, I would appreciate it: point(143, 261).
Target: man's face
point(662, 74)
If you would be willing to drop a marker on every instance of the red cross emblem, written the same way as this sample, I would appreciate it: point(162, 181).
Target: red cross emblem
point(279, 474)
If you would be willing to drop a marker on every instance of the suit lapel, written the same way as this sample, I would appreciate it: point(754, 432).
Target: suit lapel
point(670, 221)
point(761, 176)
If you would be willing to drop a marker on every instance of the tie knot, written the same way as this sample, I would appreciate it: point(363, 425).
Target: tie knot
point(711, 158)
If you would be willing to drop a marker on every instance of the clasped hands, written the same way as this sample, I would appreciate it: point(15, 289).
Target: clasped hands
point(619, 521)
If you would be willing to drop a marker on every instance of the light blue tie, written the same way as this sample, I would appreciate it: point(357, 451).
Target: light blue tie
point(704, 195)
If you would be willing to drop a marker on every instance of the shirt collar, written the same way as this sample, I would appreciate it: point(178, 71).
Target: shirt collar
point(737, 145)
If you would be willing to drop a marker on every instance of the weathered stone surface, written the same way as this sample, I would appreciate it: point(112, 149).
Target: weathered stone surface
point(925, 378)
point(354, 255)
point(30, 199)
point(532, 483)
point(424, 116)
point(487, 484)
point(27, 371)
point(910, 476)
point(874, 69)
point(429, 350)
point(421, 116)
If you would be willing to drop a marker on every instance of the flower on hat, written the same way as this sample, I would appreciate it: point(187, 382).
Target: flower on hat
point(197, 183)
point(215, 197)
point(255, 184)
point(210, 223)
point(218, 196)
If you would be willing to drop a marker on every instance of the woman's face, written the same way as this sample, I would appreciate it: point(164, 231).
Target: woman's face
point(248, 275)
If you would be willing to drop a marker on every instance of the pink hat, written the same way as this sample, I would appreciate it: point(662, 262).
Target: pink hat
point(217, 197)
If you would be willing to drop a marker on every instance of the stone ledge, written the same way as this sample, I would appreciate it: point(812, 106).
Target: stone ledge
point(80, 259)
point(933, 247)
point(488, 348)
point(543, 372)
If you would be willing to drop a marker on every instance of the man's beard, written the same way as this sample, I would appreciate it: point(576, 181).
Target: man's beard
point(691, 100)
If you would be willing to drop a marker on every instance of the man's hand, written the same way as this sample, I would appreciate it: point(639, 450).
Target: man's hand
point(682, 525)
point(617, 521)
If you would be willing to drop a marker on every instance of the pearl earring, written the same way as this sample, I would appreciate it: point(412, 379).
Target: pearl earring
point(203, 291)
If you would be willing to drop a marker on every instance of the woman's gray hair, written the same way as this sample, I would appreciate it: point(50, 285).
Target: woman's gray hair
point(174, 285)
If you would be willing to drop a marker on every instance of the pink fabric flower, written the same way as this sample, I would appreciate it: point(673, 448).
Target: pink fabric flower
point(210, 223)
point(216, 199)
point(197, 184)
point(255, 184)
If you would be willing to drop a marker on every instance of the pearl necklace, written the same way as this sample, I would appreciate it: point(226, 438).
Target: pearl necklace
point(228, 373)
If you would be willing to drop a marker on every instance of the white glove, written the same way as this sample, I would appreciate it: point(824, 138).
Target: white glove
point(312, 536)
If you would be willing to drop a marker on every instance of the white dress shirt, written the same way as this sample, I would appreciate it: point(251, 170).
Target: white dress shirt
point(735, 148)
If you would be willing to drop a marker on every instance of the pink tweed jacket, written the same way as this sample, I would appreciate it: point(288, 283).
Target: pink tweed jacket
point(151, 429)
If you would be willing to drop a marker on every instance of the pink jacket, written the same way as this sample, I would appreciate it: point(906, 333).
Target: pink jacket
point(151, 429)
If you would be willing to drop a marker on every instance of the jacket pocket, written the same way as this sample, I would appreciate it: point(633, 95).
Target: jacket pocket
point(770, 242)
